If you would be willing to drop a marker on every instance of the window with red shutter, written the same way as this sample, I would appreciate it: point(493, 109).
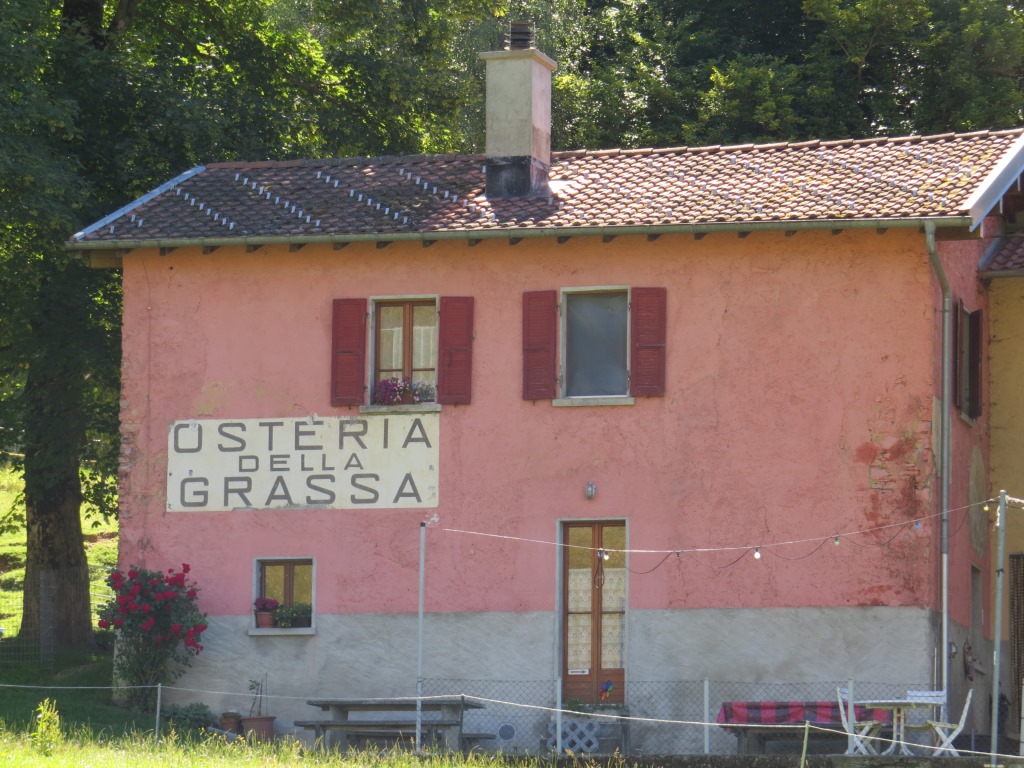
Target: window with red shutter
point(413, 342)
point(967, 328)
point(598, 361)
point(348, 360)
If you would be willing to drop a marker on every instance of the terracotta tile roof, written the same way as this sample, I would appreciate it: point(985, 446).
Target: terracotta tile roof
point(901, 178)
point(1008, 256)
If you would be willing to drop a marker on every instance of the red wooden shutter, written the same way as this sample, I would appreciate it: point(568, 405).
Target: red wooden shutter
point(348, 346)
point(455, 350)
point(540, 329)
point(647, 323)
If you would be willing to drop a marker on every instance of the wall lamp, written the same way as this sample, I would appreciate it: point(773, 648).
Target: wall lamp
point(590, 490)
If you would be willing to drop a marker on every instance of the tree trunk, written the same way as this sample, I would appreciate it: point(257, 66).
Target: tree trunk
point(56, 597)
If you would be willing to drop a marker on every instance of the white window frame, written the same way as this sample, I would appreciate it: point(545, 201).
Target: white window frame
point(563, 348)
point(257, 563)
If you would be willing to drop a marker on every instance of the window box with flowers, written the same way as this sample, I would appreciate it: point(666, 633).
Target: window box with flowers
point(401, 390)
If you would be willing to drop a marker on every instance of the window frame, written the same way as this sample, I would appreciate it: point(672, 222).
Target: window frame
point(564, 341)
point(587, 687)
point(407, 304)
point(259, 590)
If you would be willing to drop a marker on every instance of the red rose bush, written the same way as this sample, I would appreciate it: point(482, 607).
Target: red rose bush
point(158, 627)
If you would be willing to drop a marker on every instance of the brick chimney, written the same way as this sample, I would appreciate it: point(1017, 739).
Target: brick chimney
point(518, 116)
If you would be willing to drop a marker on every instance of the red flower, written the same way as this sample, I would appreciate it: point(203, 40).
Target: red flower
point(185, 568)
point(176, 629)
point(133, 574)
point(103, 623)
point(118, 622)
point(146, 608)
point(191, 594)
point(148, 623)
point(200, 628)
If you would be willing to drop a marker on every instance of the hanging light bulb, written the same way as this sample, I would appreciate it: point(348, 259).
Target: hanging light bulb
point(835, 540)
point(757, 553)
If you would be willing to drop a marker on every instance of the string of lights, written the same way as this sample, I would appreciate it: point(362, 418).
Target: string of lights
point(745, 549)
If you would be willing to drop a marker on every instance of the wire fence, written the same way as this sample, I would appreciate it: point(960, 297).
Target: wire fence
point(662, 718)
point(668, 718)
point(46, 613)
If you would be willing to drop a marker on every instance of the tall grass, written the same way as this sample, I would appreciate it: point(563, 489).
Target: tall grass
point(83, 747)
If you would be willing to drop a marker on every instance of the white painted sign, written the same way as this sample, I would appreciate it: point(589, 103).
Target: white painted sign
point(376, 461)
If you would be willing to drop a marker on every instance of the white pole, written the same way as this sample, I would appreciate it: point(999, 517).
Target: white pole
point(707, 716)
point(419, 642)
point(159, 691)
point(998, 632)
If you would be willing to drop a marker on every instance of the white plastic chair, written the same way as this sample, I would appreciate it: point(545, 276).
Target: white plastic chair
point(860, 732)
point(949, 731)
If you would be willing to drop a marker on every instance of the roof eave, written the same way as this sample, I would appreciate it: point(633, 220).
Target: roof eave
point(530, 232)
point(988, 194)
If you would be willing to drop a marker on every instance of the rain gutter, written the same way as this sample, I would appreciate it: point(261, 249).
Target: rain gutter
point(836, 225)
point(945, 450)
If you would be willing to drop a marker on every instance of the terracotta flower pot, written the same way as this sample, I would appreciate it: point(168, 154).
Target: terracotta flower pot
point(231, 722)
point(264, 619)
point(259, 727)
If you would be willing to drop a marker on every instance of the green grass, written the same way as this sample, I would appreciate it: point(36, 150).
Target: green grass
point(100, 547)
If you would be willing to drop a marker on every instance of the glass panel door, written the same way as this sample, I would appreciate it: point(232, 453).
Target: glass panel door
point(594, 612)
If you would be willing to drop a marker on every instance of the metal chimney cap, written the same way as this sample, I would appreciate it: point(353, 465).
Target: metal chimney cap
point(521, 36)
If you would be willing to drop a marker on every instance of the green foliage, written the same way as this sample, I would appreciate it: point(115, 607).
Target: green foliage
point(288, 615)
point(46, 735)
point(158, 626)
point(189, 717)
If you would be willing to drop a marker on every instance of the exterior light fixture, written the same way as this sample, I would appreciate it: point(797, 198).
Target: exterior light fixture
point(590, 490)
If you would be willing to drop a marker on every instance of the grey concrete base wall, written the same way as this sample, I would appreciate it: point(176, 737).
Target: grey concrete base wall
point(773, 653)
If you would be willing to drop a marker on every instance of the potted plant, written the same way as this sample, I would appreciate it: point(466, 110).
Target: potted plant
point(257, 726)
point(264, 607)
point(392, 391)
point(294, 615)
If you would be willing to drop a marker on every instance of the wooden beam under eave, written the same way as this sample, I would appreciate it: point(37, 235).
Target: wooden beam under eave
point(428, 243)
point(742, 235)
point(836, 232)
point(293, 247)
point(105, 259)
point(253, 247)
point(166, 251)
point(208, 249)
point(473, 242)
point(339, 246)
point(607, 238)
point(563, 239)
point(515, 240)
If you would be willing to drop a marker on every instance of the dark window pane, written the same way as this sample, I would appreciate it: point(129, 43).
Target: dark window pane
point(596, 344)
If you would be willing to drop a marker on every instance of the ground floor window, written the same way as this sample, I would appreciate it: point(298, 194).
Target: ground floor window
point(290, 584)
point(594, 612)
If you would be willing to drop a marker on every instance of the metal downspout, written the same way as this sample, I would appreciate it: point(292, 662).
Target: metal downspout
point(945, 451)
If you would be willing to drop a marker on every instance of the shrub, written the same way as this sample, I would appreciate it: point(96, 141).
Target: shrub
point(189, 717)
point(158, 627)
point(46, 734)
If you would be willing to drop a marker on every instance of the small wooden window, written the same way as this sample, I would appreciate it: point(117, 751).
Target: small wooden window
point(287, 581)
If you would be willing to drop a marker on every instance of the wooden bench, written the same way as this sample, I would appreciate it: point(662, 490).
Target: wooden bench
point(390, 730)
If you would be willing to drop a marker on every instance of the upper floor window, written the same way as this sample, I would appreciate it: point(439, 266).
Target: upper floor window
point(428, 341)
point(967, 363)
point(406, 344)
point(610, 343)
point(595, 349)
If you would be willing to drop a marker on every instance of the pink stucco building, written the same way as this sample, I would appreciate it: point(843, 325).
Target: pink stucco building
point(685, 414)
